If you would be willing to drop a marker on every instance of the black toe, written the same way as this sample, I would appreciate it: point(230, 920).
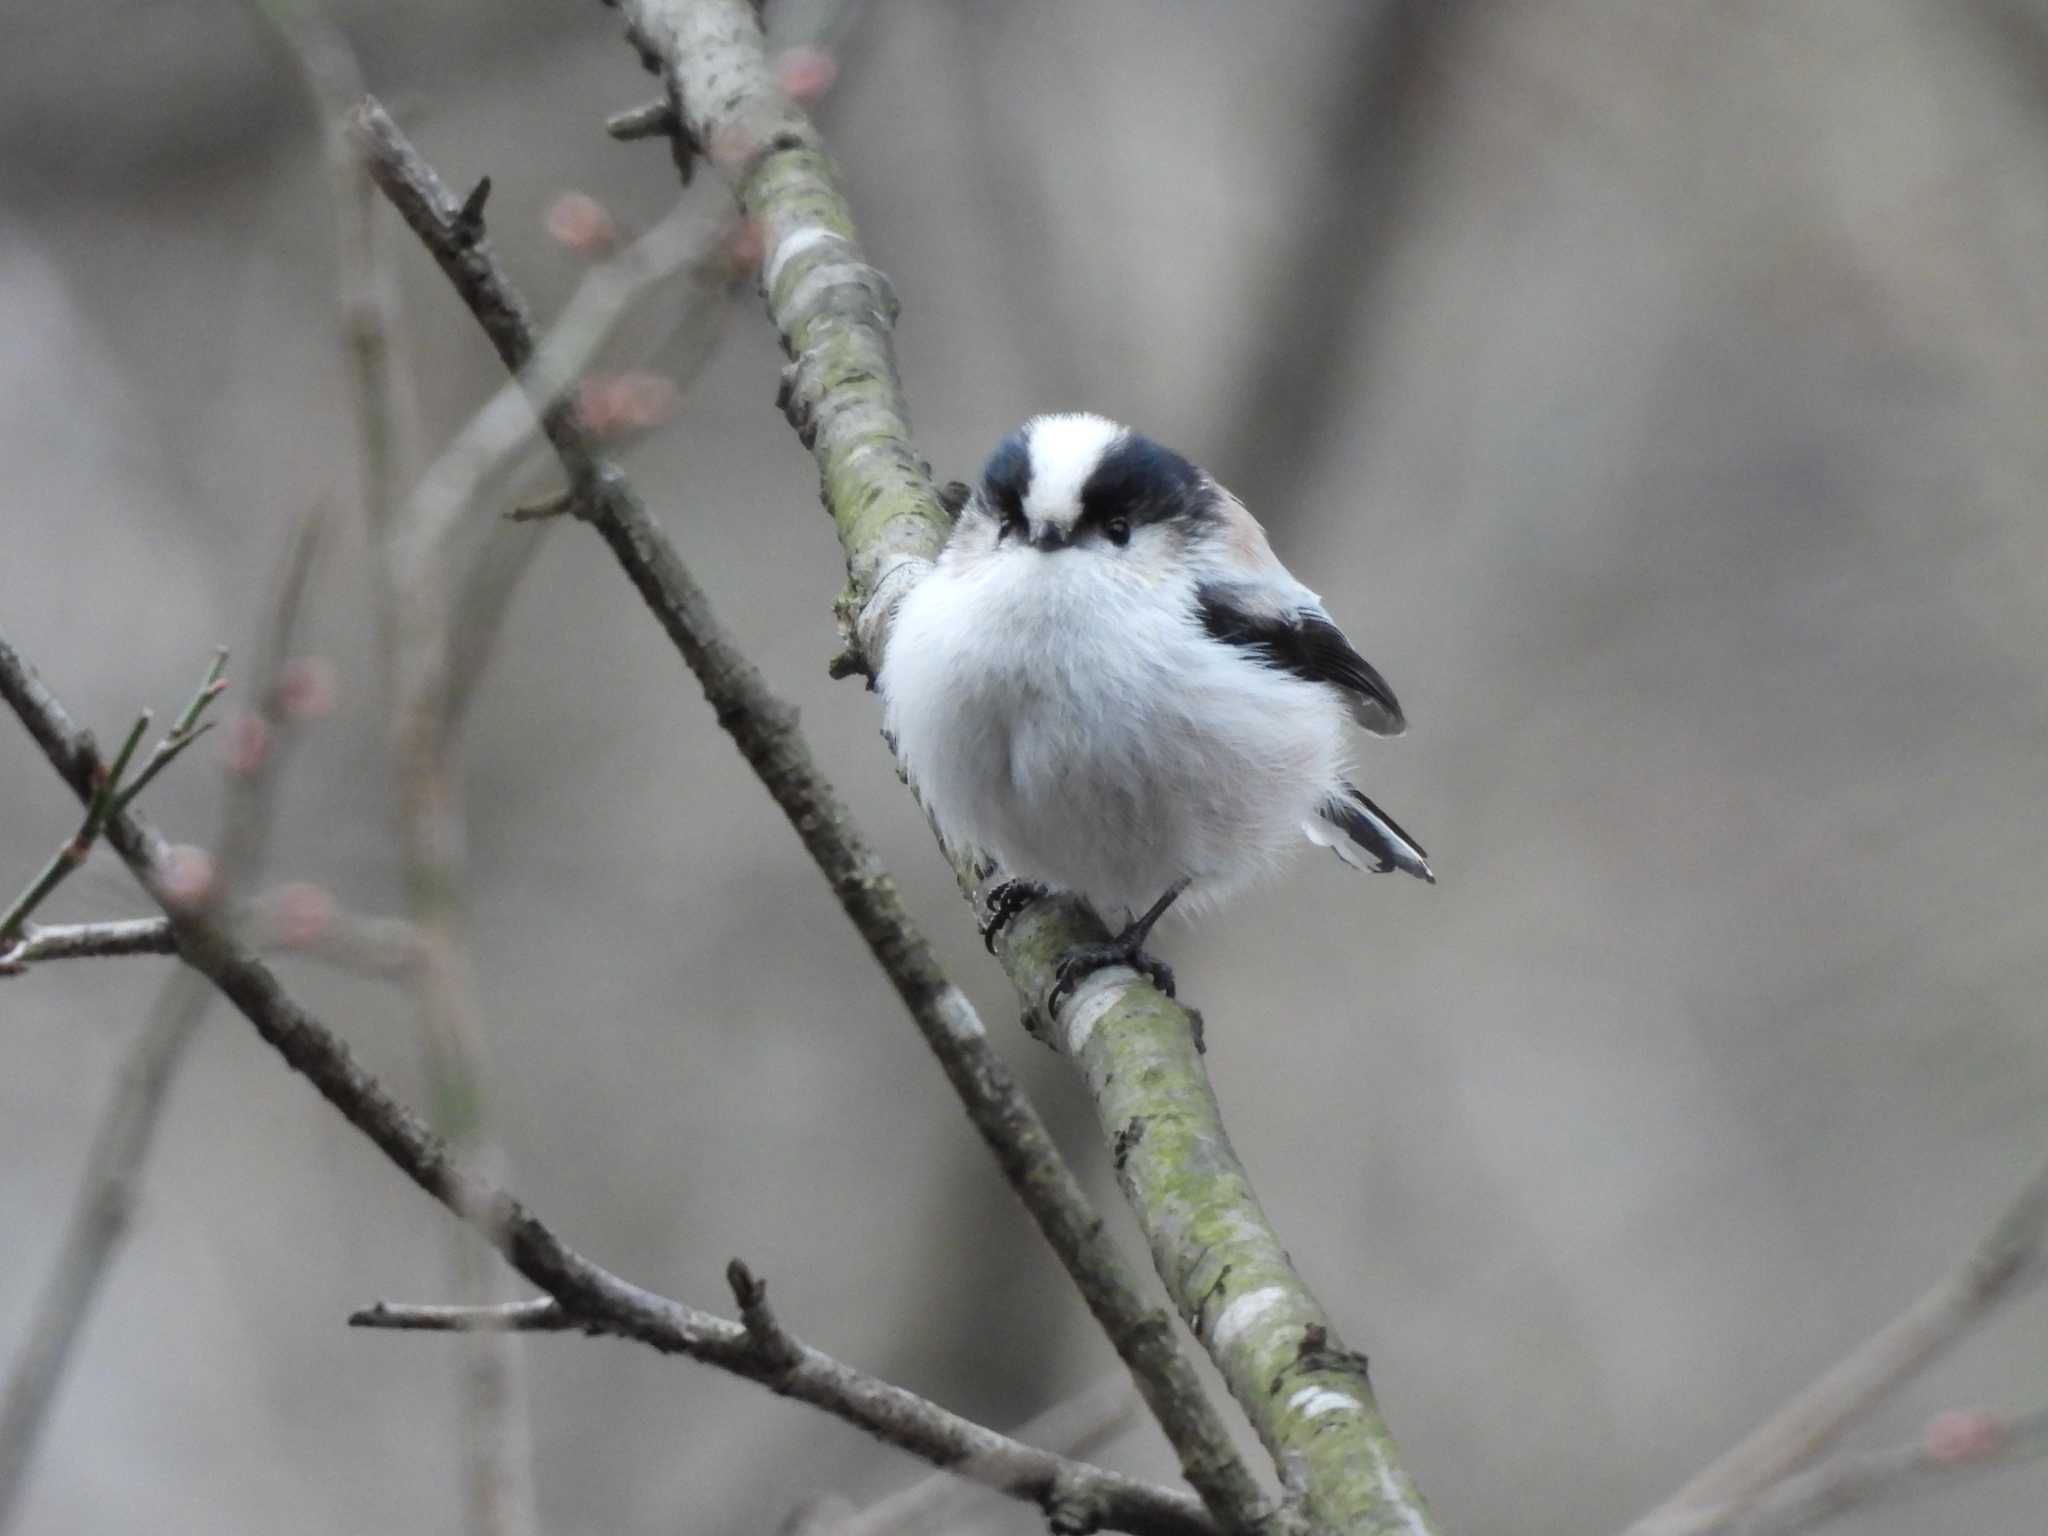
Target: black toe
point(1084, 960)
point(1003, 903)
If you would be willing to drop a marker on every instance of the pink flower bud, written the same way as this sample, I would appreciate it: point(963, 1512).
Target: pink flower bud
point(307, 687)
point(581, 223)
point(189, 876)
point(1963, 1434)
point(806, 72)
point(613, 404)
point(245, 745)
point(300, 913)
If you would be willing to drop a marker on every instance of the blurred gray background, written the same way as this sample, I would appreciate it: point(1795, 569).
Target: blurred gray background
point(1654, 390)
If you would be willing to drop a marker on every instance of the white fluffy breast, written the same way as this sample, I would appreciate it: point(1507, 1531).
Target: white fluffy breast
point(1073, 718)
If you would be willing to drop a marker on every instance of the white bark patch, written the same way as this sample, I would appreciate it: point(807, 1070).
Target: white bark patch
point(794, 244)
point(1390, 1488)
point(1314, 1402)
point(1091, 1000)
point(1234, 1319)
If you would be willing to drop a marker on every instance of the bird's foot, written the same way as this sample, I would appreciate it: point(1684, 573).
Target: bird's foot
point(1005, 902)
point(1084, 960)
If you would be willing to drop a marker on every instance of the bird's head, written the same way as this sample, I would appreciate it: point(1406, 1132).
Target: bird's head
point(1083, 487)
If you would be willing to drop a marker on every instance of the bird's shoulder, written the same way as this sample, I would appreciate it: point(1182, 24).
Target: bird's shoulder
point(1245, 597)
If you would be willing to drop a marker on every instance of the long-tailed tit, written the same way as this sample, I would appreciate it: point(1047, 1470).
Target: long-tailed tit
point(1111, 683)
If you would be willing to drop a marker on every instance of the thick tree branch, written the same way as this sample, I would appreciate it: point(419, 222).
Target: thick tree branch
point(1227, 1270)
point(764, 728)
point(2013, 1254)
point(596, 1298)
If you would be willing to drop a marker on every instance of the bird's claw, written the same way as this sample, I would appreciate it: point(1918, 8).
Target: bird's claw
point(1084, 960)
point(1003, 903)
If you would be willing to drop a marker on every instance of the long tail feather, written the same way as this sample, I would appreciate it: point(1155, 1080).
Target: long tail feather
point(1349, 822)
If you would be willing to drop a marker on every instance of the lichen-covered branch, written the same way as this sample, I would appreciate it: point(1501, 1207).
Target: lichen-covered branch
point(1227, 1270)
point(764, 727)
point(598, 1300)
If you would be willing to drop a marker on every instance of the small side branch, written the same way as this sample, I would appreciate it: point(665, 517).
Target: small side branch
point(88, 941)
point(777, 1350)
point(1927, 1466)
point(126, 1128)
point(114, 794)
point(543, 1314)
point(2011, 1255)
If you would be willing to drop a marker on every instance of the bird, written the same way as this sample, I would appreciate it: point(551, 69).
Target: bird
point(1108, 683)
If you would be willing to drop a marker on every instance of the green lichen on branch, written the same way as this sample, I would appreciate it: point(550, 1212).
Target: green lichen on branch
point(833, 310)
point(1308, 1398)
point(1310, 1401)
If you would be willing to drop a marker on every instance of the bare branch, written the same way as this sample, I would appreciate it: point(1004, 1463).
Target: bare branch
point(115, 794)
point(386, 947)
point(775, 1347)
point(2012, 1254)
point(188, 729)
point(1851, 1483)
point(88, 941)
point(649, 120)
point(127, 1127)
point(598, 1299)
point(764, 728)
point(1071, 1427)
point(542, 1314)
point(680, 243)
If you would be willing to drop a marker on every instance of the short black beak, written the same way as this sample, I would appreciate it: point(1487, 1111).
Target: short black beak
point(1048, 539)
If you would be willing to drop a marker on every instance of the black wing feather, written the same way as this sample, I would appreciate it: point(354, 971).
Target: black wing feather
point(1304, 643)
point(1377, 833)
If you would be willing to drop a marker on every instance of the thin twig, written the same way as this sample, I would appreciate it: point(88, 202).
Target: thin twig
point(72, 854)
point(2011, 1255)
point(389, 948)
point(1850, 1483)
point(541, 1314)
point(1072, 1426)
point(88, 941)
point(598, 1299)
point(115, 794)
point(764, 728)
point(649, 120)
point(386, 947)
point(775, 1347)
point(189, 728)
point(127, 1126)
point(680, 243)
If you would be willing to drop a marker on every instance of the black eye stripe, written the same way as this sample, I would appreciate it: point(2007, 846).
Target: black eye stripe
point(1006, 479)
point(1143, 483)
